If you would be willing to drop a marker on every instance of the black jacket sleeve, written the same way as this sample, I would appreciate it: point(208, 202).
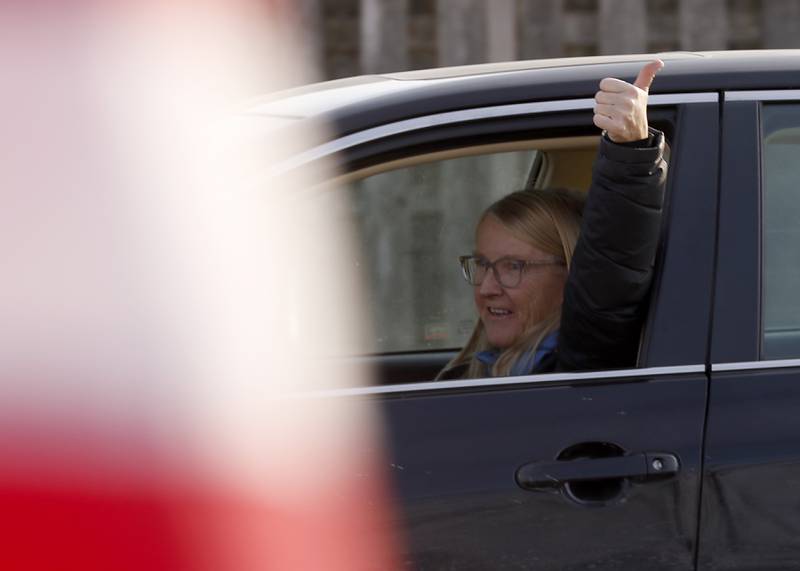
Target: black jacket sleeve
point(612, 266)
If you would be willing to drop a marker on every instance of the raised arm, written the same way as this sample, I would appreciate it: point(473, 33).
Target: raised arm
point(612, 268)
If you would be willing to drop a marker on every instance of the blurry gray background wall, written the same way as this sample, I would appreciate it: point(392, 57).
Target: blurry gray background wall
point(351, 37)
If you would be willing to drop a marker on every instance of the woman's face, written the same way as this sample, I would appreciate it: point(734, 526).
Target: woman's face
point(507, 312)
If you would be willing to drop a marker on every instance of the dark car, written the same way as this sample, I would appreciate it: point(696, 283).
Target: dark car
point(691, 460)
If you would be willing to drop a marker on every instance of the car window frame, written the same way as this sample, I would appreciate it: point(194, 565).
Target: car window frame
point(379, 144)
point(342, 151)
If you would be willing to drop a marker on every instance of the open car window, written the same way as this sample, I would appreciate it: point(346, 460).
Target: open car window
point(412, 219)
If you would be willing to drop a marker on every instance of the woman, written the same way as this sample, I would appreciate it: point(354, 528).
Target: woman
point(549, 301)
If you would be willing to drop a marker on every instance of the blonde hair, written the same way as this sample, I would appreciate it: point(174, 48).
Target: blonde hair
point(550, 221)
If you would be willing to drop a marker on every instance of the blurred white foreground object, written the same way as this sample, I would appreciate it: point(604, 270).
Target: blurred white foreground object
point(160, 299)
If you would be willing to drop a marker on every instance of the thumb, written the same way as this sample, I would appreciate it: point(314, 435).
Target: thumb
point(647, 73)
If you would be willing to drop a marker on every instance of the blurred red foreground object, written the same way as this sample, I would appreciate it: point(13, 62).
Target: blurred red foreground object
point(56, 515)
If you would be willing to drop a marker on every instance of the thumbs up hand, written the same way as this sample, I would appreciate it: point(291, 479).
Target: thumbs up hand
point(621, 108)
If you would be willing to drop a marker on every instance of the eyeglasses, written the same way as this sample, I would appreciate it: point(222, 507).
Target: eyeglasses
point(507, 271)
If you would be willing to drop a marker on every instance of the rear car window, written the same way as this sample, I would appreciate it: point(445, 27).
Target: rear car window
point(781, 231)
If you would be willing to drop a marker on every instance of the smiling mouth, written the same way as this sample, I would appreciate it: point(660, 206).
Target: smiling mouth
point(495, 312)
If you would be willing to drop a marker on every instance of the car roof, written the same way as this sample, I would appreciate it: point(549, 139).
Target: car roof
point(364, 101)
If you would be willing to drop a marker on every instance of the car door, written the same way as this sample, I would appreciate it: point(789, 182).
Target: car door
point(554, 471)
point(750, 516)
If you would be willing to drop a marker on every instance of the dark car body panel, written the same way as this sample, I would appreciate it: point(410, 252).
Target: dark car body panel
point(751, 516)
point(737, 329)
point(454, 457)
